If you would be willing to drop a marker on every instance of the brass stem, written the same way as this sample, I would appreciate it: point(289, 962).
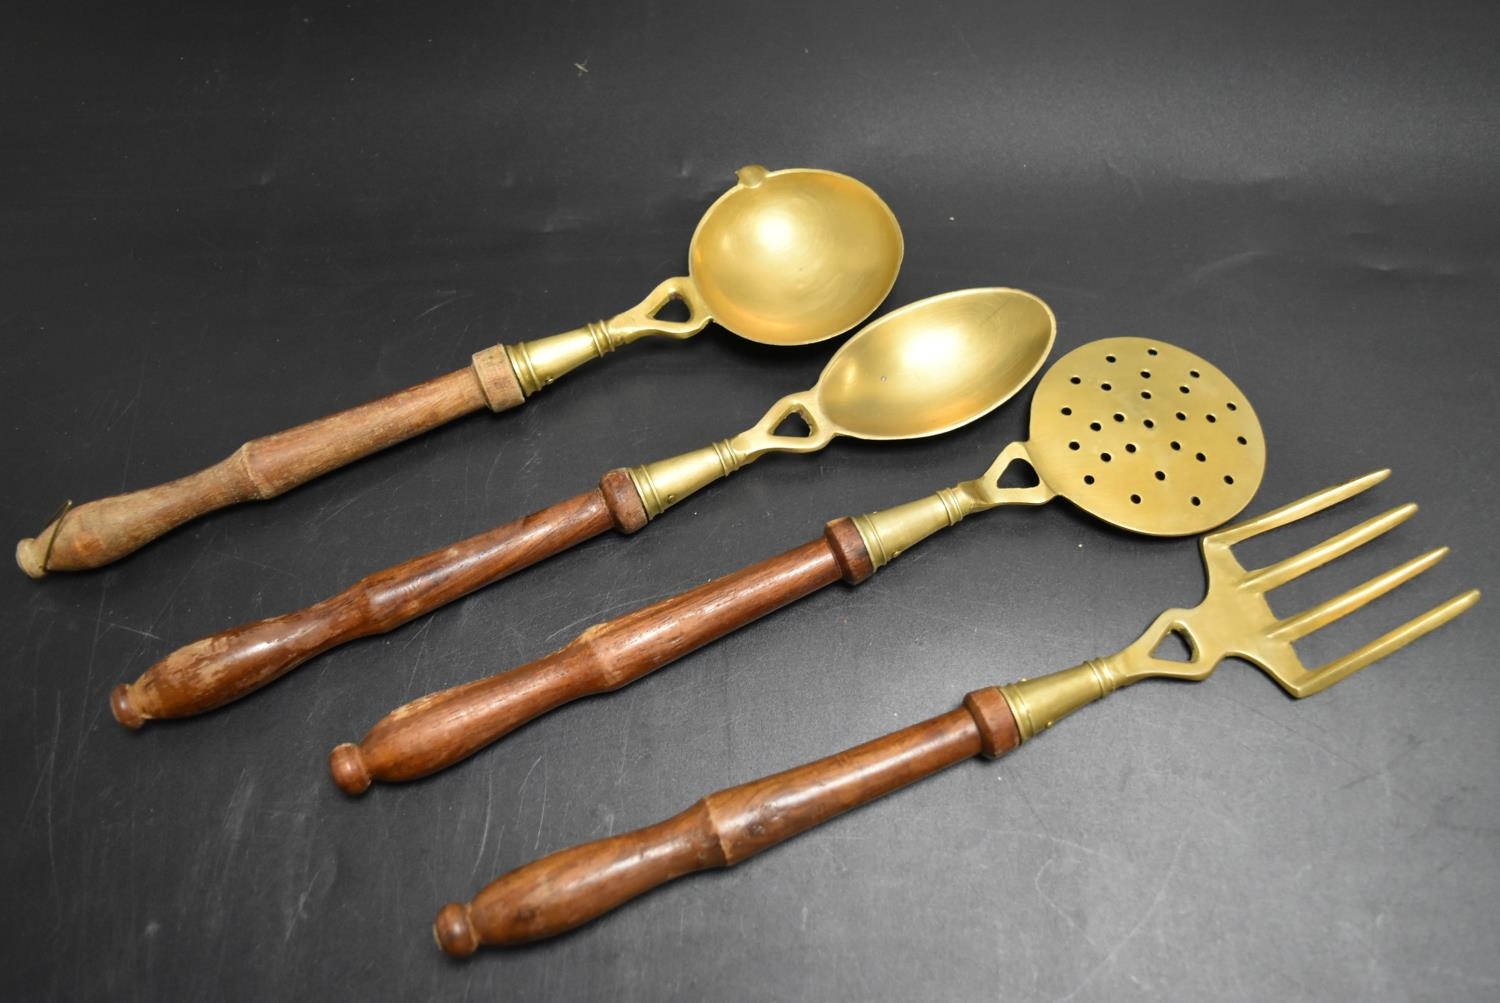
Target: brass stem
point(890, 532)
point(666, 482)
point(1040, 703)
point(539, 363)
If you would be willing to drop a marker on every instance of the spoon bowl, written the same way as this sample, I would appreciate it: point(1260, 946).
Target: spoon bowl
point(935, 365)
point(795, 256)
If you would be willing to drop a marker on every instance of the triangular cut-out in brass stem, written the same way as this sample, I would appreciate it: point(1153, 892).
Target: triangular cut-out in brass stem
point(793, 426)
point(1174, 646)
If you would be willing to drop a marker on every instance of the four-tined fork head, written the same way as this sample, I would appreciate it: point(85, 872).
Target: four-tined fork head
point(1234, 618)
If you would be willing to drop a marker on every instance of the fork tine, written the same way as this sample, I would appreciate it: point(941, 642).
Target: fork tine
point(1300, 509)
point(1278, 574)
point(1295, 627)
point(1325, 676)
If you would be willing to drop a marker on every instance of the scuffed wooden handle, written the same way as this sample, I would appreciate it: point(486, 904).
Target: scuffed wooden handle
point(94, 534)
point(215, 670)
point(443, 728)
point(573, 886)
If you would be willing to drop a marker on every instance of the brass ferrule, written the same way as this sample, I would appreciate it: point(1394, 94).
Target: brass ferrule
point(538, 363)
point(890, 532)
point(666, 482)
point(1038, 704)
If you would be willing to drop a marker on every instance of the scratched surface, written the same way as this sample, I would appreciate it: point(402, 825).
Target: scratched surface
point(220, 223)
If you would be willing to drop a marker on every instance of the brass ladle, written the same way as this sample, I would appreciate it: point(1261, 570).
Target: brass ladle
point(922, 370)
point(783, 258)
point(1135, 431)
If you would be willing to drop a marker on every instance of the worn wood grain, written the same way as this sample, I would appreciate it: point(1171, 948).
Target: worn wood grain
point(440, 729)
point(571, 887)
point(226, 666)
point(98, 532)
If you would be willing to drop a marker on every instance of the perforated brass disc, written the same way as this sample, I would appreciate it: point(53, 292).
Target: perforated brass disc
point(1147, 436)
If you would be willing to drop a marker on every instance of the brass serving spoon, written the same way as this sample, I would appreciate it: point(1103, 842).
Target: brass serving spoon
point(783, 258)
point(1135, 431)
point(922, 370)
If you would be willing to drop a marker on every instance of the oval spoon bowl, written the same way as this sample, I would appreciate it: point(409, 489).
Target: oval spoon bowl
point(936, 364)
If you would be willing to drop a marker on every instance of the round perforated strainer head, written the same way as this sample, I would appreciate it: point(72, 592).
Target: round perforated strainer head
point(1147, 436)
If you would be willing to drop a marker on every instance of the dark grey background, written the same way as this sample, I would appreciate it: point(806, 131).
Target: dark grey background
point(217, 222)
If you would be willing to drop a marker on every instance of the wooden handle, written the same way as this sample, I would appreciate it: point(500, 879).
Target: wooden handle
point(573, 886)
point(443, 728)
point(215, 670)
point(96, 533)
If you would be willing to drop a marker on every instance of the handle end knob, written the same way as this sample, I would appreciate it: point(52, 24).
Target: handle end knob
point(454, 932)
point(125, 712)
point(347, 764)
point(30, 557)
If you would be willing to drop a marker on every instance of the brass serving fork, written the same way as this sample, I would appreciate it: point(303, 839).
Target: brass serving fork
point(573, 886)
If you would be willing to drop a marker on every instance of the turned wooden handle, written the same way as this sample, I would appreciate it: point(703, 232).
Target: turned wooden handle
point(215, 670)
point(440, 729)
point(571, 887)
point(96, 533)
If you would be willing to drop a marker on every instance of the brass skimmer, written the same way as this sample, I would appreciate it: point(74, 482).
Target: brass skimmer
point(921, 370)
point(573, 886)
point(784, 258)
point(1140, 433)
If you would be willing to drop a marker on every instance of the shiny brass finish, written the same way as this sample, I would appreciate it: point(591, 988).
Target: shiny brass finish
point(1234, 619)
point(1038, 704)
point(795, 256)
point(1140, 433)
point(922, 370)
point(540, 362)
point(783, 258)
point(1147, 436)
